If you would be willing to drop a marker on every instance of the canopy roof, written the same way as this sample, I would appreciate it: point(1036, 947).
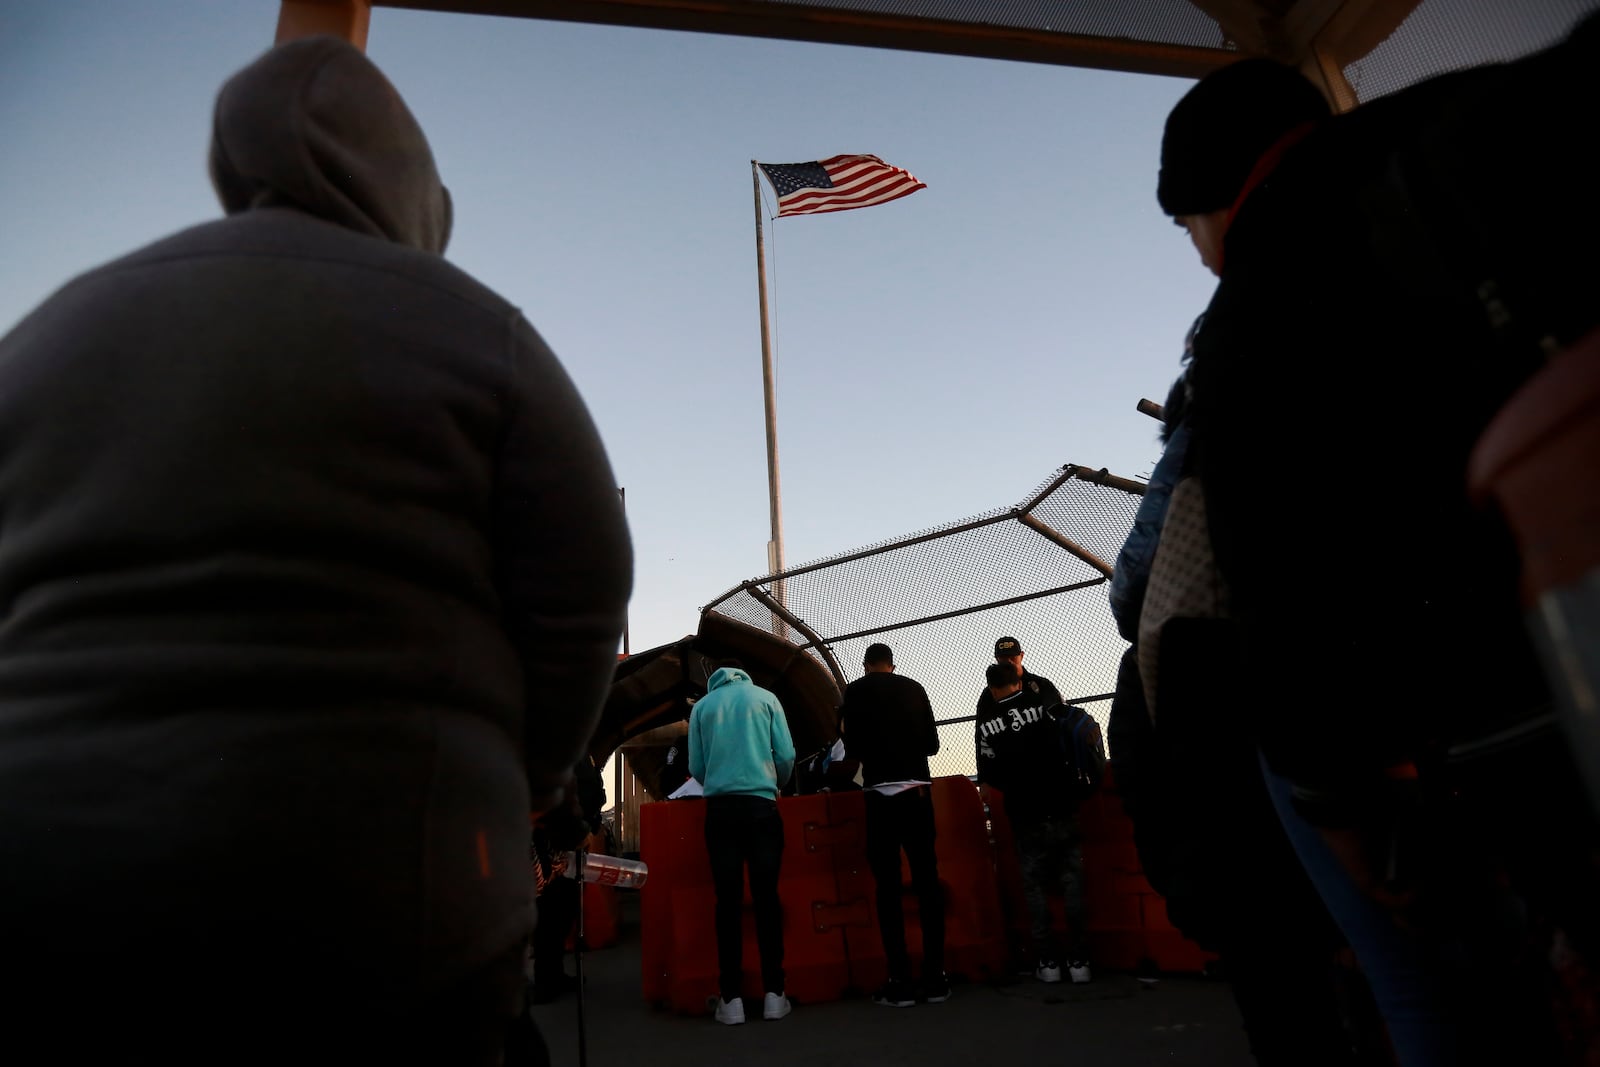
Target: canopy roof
point(1174, 37)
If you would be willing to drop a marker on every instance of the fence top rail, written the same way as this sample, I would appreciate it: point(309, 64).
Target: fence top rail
point(1061, 476)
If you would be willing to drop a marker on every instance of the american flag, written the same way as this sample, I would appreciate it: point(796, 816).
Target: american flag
point(838, 183)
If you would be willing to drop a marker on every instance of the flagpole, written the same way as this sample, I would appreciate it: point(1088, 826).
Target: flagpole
point(775, 545)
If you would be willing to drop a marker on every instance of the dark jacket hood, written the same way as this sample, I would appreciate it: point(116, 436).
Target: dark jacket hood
point(314, 125)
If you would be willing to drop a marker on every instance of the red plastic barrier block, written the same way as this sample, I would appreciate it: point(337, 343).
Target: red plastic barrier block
point(1114, 886)
point(672, 843)
point(678, 906)
point(1117, 950)
point(811, 834)
point(690, 969)
point(602, 915)
point(1102, 818)
point(1115, 911)
point(815, 964)
point(1008, 877)
point(975, 936)
point(975, 943)
point(814, 961)
point(1116, 855)
point(1169, 949)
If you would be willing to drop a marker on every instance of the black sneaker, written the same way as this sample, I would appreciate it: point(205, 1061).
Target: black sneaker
point(936, 987)
point(895, 993)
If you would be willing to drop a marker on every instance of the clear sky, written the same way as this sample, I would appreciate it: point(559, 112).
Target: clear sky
point(937, 356)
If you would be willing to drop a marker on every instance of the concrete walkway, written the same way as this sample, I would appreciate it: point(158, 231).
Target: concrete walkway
point(1113, 1021)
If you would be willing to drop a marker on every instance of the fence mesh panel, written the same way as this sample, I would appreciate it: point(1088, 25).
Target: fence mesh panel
point(941, 597)
point(1445, 35)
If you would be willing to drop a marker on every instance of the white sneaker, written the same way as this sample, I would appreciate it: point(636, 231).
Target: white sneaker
point(775, 1006)
point(1049, 971)
point(730, 1012)
point(1079, 970)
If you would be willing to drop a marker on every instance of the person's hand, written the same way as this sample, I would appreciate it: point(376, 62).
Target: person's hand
point(1365, 853)
point(1380, 834)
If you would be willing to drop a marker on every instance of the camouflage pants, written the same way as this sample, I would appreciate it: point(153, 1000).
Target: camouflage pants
point(1051, 855)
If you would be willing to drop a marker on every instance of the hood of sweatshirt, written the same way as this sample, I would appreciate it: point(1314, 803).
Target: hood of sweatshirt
point(725, 675)
point(314, 125)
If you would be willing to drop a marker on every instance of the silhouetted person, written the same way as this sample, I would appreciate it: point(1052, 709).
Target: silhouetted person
point(888, 726)
point(741, 753)
point(565, 828)
point(1431, 242)
point(313, 571)
point(1019, 753)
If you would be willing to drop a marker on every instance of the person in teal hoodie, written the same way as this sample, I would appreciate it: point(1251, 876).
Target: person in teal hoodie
point(741, 753)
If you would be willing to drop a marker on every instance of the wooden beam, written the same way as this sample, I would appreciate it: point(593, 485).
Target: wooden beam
point(1359, 26)
point(1333, 35)
point(1326, 74)
point(1256, 26)
point(826, 25)
point(307, 18)
point(1305, 22)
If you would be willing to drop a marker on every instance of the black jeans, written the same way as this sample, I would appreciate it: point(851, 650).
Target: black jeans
point(905, 821)
point(558, 913)
point(1050, 853)
point(741, 831)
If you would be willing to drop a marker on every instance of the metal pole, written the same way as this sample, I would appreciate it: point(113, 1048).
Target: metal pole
point(578, 857)
point(622, 493)
point(775, 545)
point(619, 804)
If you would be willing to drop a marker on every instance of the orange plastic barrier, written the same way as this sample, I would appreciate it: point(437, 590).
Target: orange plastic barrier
point(1128, 924)
point(672, 843)
point(975, 945)
point(677, 906)
point(831, 942)
point(602, 915)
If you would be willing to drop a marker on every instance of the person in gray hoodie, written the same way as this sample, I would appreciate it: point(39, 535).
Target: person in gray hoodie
point(312, 574)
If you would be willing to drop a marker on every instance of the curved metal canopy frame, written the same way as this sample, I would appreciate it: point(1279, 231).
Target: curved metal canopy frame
point(1179, 38)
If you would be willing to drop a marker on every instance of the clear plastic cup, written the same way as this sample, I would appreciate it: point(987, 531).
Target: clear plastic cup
point(609, 870)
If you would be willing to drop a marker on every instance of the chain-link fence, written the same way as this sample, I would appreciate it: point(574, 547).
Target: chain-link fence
point(940, 598)
point(1445, 35)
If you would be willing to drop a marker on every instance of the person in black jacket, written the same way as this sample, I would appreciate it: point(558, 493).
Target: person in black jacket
point(1019, 753)
point(1437, 241)
point(1009, 650)
point(888, 725)
point(1207, 834)
point(557, 832)
point(313, 571)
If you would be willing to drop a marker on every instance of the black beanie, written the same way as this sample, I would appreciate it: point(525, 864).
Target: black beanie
point(1222, 126)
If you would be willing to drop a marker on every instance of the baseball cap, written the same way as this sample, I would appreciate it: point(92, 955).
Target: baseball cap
point(1008, 646)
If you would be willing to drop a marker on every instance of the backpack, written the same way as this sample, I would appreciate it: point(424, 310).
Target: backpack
point(1083, 750)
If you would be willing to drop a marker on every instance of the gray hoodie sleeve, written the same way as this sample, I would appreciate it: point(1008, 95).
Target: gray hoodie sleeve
point(564, 563)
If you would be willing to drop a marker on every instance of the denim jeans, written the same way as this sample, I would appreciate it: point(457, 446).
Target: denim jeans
point(741, 832)
point(1405, 979)
point(1050, 852)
